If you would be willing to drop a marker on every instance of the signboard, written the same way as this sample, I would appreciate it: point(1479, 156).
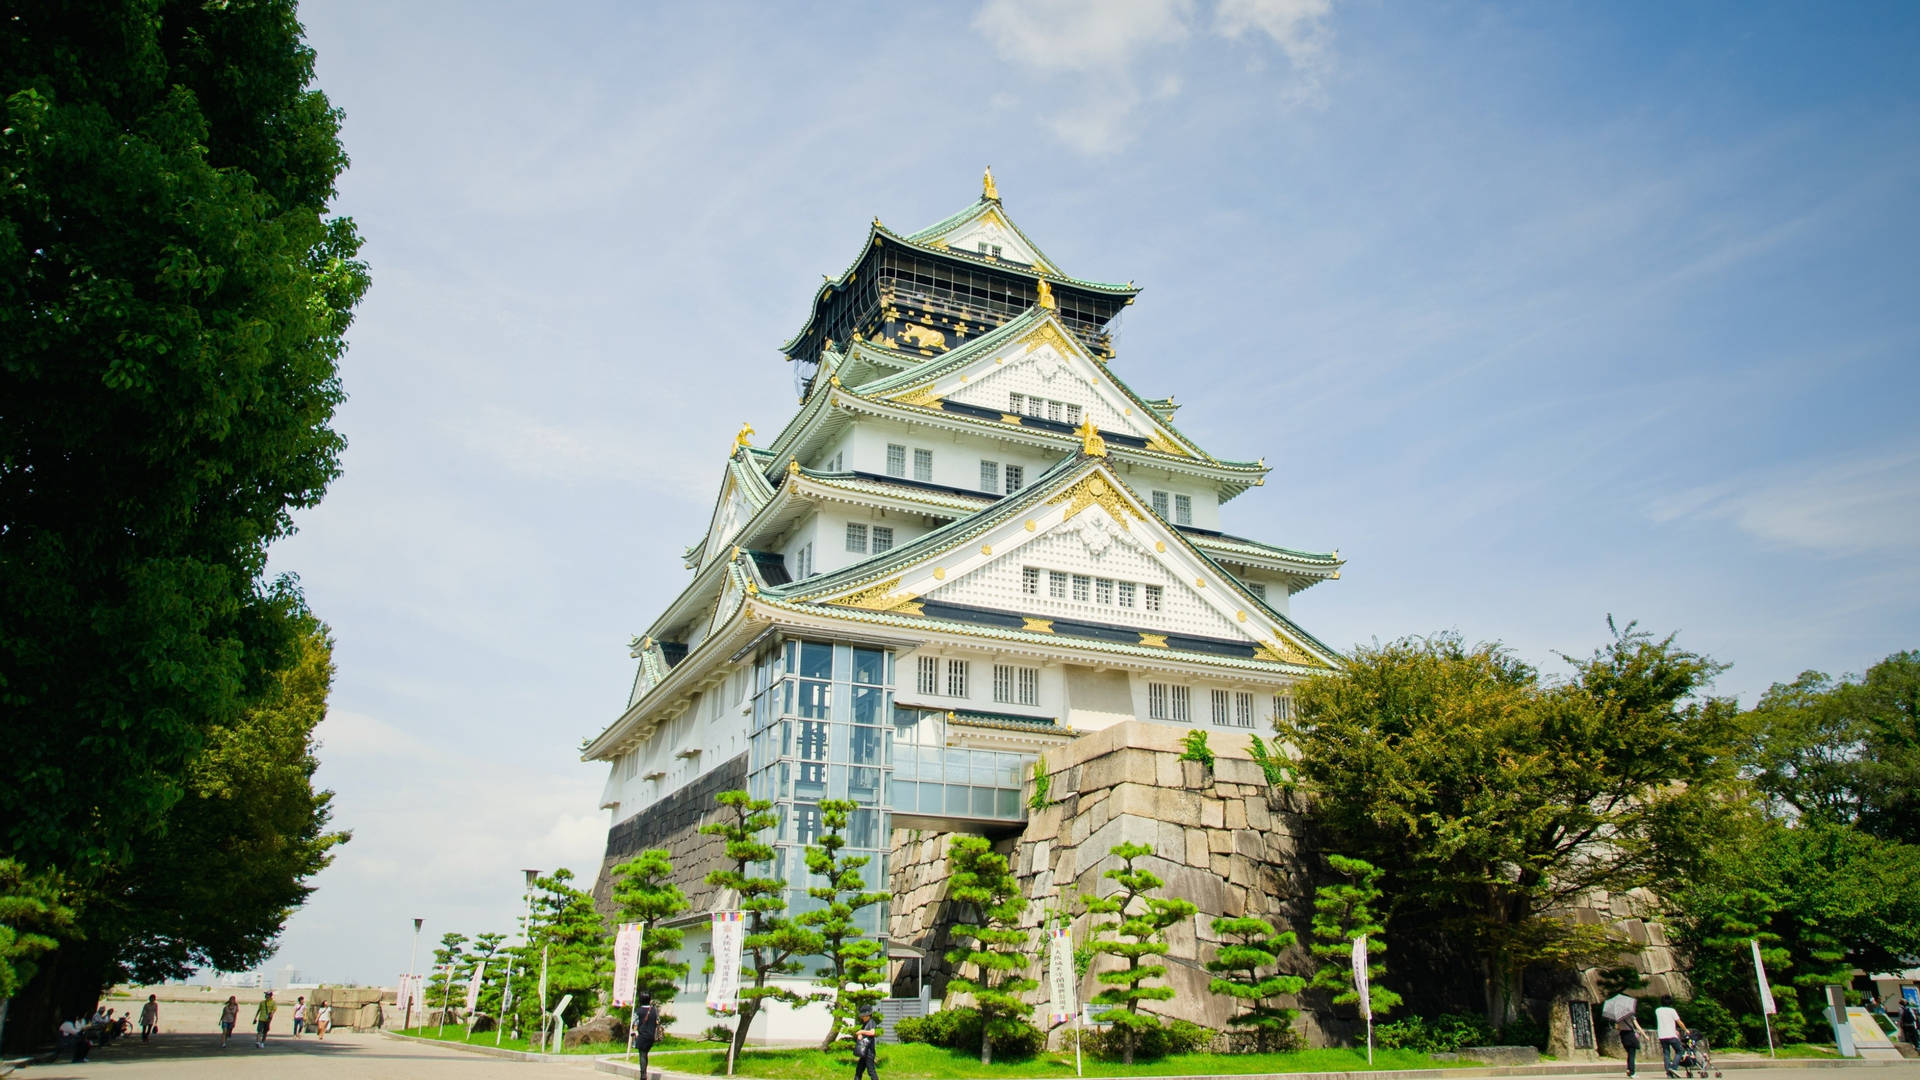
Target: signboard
point(723, 990)
point(1760, 972)
point(1060, 976)
point(1360, 976)
point(626, 963)
point(1581, 1013)
point(474, 979)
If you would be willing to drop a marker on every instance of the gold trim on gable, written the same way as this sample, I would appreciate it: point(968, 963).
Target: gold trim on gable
point(924, 397)
point(1160, 444)
point(1094, 490)
point(1283, 651)
point(1045, 334)
point(1158, 641)
point(1038, 626)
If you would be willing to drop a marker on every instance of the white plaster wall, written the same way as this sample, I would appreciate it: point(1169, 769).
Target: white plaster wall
point(712, 724)
point(956, 456)
point(979, 682)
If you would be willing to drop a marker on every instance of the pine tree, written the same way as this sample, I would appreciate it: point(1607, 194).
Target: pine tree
point(569, 932)
point(448, 961)
point(855, 964)
point(1237, 964)
point(644, 893)
point(980, 880)
point(486, 950)
point(773, 942)
point(1145, 919)
point(1343, 911)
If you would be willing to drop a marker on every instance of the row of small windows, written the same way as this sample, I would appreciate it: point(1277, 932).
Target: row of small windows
point(1011, 685)
point(1170, 701)
point(928, 680)
point(1027, 405)
point(991, 473)
point(1182, 508)
point(862, 538)
point(922, 462)
point(1086, 589)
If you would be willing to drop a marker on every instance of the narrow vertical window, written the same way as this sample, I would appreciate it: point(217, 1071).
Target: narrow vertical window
point(1221, 707)
point(1034, 405)
point(1081, 582)
point(1016, 478)
point(1152, 597)
point(1242, 709)
point(1073, 415)
point(1257, 589)
point(928, 672)
point(1282, 707)
point(1003, 684)
point(1126, 593)
point(882, 538)
point(1029, 686)
point(990, 477)
point(1157, 701)
point(957, 678)
point(1016, 403)
point(1103, 591)
point(896, 460)
point(1056, 585)
point(923, 465)
point(1183, 509)
point(856, 537)
point(1160, 503)
point(1182, 698)
point(1030, 581)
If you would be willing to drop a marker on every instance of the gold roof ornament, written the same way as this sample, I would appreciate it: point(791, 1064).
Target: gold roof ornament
point(1091, 444)
point(1046, 296)
point(746, 433)
point(793, 466)
point(988, 190)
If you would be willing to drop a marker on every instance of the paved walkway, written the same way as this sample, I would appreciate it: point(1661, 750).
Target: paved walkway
point(343, 1056)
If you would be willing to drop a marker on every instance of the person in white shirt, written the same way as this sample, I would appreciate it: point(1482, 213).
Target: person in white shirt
point(1668, 1027)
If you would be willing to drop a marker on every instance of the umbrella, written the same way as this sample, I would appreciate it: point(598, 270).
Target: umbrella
point(1617, 1006)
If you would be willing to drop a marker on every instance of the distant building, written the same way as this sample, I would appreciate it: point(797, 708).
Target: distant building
point(971, 543)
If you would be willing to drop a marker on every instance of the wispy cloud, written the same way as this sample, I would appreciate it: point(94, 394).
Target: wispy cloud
point(1299, 27)
point(1870, 503)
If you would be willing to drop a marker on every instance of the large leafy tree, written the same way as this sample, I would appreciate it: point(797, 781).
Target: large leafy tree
point(773, 943)
point(1491, 797)
point(644, 893)
point(173, 304)
point(995, 946)
point(1134, 931)
point(1845, 751)
point(853, 964)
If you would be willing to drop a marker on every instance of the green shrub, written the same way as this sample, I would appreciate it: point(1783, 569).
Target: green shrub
point(1715, 1021)
point(959, 1029)
point(1197, 749)
point(1439, 1035)
point(1525, 1031)
point(1175, 1037)
point(719, 1033)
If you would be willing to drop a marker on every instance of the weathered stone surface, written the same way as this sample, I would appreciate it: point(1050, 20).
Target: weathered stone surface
point(600, 1029)
point(1501, 1055)
point(1258, 816)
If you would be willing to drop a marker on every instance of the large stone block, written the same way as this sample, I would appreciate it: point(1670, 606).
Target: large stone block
point(1258, 816)
point(1235, 811)
point(1197, 851)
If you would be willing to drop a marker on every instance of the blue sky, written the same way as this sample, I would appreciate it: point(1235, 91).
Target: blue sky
point(1540, 312)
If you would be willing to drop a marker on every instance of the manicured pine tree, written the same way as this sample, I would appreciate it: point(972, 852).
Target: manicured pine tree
point(579, 953)
point(644, 893)
point(1144, 919)
point(449, 960)
point(486, 949)
point(1342, 911)
point(1249, 946)
point(773, 943)
point(980, 879)
point(855, 964)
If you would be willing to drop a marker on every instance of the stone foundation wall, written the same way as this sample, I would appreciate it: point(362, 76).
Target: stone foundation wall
point(674, 823)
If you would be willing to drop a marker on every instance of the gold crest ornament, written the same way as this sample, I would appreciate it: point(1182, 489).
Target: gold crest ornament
point(1091, 443)
point(1046, 296)
point(987, 188)
point(746, 433)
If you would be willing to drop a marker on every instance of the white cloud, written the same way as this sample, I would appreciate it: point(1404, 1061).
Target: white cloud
point(1297, 26)
point(1081, 35)
point(1837, 508)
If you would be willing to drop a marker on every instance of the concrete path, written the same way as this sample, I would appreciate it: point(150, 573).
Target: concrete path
point(343, 1056)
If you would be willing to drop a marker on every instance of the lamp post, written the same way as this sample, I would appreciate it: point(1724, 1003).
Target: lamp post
point(412, 957)
point(526, 936)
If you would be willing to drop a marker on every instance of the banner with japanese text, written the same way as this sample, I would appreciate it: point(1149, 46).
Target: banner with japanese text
point(1061, 979)
point(474, 979)
point(626, 963)
point(729, 932)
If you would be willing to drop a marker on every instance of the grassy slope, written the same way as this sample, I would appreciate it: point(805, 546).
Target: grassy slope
point(913, 1060)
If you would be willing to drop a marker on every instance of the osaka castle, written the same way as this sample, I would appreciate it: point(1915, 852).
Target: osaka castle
point(974, 543)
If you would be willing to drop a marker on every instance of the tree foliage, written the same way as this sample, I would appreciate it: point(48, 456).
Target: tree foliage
point(773, 943)
point(1342, 912)
point(644, 893)
point(1246, 968)
point(854, 964)
point(572, 936)
point(996, 946)
point(33, 919)
point(173, 305)
point(1491, 797)
point(1142, 919)
point(445, 985)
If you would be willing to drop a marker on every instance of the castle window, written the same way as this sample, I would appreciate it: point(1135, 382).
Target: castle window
point(1283, 708)
point(882, 538)
point(928, 671)
point(1183, 509)
point(990, 477)
point(1167, 702)
point(1056, 585)
point(1016, 685)
point(1257, 589)
point(1222, 707)
point(1073, 415)
point(1126, 593)
point(1103, 591)
point(1030, 581)
point(803, 561)
point(1016, 403)
point(1160, 503)
point(1081, 583)
point(896, 460)
point(1053, 410)
point(923, 465)
point(1016, 478)
point(1153, 597)
point(856, 537)
point(1242, 709)
point(957, 678)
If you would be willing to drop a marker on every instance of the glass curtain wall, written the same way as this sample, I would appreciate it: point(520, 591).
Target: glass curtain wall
point(822, 729)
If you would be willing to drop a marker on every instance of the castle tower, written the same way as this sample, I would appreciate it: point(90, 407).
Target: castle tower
point(972, 541)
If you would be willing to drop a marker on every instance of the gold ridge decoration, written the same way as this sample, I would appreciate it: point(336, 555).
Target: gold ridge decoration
point(1095, 490)
point(1046, 296)
point(923, 397)
point(746, 433)
point(879, 597)
point(1158, 641)
point(1038, 626)
point(1286, 652)
point(1161, 444)
point(988, 189)
point(1091, 443)
point(1046, 334)
point(1009, 418)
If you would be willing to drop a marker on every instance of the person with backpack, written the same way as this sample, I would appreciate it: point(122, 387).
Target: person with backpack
point(646, 1029)
point(263, 1019)
point(866, 1046)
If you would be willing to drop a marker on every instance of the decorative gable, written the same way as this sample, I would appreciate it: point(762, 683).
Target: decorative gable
point(992, 235)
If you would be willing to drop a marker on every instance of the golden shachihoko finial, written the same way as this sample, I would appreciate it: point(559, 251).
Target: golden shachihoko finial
point(987, 188)
point(1046, 296)
point(1091, 443)
point(746, 432)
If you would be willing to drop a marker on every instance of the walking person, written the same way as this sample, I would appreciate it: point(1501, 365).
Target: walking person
point(1631, 1036)
point(646, 1029)
point(149, 1016)
point(299, 1014)
point(866, 1046)
point(229, 1016)
point(263, 1019)
point(324, 1018)
point(1667, 1026)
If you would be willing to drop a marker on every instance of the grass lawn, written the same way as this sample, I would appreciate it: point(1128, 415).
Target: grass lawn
point(1791, 1050)
point(507, 1042)
point(917, 1060)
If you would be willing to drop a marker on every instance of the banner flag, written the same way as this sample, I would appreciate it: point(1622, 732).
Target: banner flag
point(474, 979)
point(1060, 975)
point(626, 963)
point(409, 994)
point(1760, 972)
point(729, 932)
point(1360, 976)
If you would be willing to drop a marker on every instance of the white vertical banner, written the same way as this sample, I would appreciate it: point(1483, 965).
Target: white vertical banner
point(626, 963)
point(474, 978)
point(729, 932)
point(1360, 976)
point(1060, 976)
point(408, 995)
point(1760, 972)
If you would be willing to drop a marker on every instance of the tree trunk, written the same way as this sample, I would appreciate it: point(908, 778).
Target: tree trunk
point(748, 1009)
point(986, 1044)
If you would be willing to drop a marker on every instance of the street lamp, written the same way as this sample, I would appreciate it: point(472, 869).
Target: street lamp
point(412, 957)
